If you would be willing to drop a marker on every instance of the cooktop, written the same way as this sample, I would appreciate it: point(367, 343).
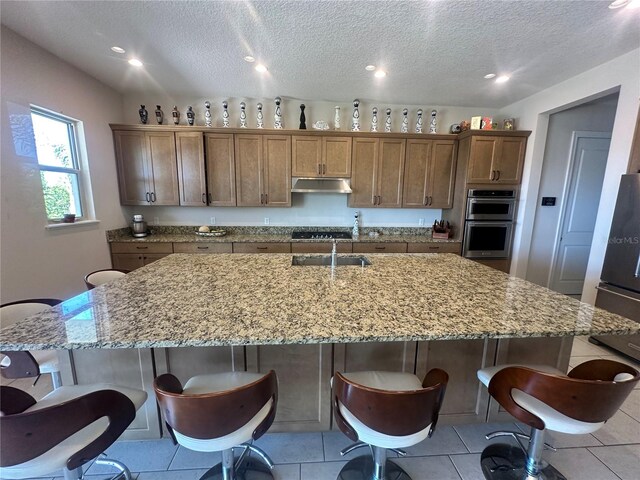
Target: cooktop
point(320, 235)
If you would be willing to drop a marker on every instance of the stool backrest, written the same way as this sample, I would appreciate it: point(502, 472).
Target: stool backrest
point(588, 394)
point(395, 413)
point(93, 279)
point(13, 312)
point(214, 415)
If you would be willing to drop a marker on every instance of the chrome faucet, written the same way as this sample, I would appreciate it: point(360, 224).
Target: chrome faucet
point(334, 254)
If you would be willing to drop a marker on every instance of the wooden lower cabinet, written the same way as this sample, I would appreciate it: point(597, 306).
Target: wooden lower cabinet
point(188, 362)
point(436, 247)
point(320, 247)
point(131, 261)
point(262, 247)
point(203, 247)
point(127, 367)
point(303, 373)
point(380, 247)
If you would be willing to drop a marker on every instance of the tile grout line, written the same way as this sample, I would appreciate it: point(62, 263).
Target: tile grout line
point(603, 463)
point(461, 439)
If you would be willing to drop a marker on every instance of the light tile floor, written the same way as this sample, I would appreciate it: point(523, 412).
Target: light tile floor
point(453, 452)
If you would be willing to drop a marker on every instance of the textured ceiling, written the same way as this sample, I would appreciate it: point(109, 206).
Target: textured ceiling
point(434, 52)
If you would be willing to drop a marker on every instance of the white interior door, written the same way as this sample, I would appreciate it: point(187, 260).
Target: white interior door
point(588, 161)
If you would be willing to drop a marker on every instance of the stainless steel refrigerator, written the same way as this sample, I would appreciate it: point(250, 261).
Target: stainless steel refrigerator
point(619, 291)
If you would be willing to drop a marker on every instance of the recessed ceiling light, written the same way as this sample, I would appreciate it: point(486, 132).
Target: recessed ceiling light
point(260, 68)
point(249, 59)
point(503, 78)
point(370, 68)
point(117, 49)
point(618, 4)
point(135, 62)
point(489, 75)
point(380, 73)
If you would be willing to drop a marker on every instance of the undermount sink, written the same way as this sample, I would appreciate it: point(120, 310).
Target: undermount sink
point(325, 261)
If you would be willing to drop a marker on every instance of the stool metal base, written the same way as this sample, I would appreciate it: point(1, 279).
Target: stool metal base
point(507, 462)
point(362, 468)
point(249, 469)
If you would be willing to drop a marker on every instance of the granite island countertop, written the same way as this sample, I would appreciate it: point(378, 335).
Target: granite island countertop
point(236, 299)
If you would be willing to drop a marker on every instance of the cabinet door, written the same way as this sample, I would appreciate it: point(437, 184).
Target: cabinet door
point(162, 171)
point(442, 174)
point(416, 173)
point(380, 247)
point(483, 153)
point(306, 156)
point(364, 158)
point(126, 261)
point(248, 154)
point(304, 373)
point(336, 157)
point(131, 158)
point(221, 172)
point(390, 172)
point(509, 161)
point(262, 247)
point(152, 257)
point(277, 170)
point(191, 173)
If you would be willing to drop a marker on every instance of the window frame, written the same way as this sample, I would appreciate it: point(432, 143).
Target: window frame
point(76, 159)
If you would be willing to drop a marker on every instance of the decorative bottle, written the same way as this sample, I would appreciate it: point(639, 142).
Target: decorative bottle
point(355, 121)
point(144, 115)
point(433, 125)
point(419, 121)
point(355, 233)
point(405, 121)
point(159, 115)
point(387, 121)
point(225, 114)
point(277, 116)
point(191, 116)
point(176, 115)
point(374, 119)
point(336, 118)
point(207, 114)
point(259, 117)
point(243, 115)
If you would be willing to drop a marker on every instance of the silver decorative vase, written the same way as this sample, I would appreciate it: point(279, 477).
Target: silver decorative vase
point(259, 117)
point(419, 121)
point(191, 116)
point(387, 121)
point(374, 119)
point(176, 115)
point(355, 121)
point(207, 114)
point(243, 115)
point(433, 124)
point(278, 124)
point(405, 121)
point(225, 114)
point(336, 118)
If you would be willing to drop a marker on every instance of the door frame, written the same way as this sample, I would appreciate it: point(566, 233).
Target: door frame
point(575, 136)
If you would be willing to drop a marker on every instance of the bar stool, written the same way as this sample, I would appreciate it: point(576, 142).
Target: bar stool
point(220, 412)
point(545, 399)
point(28, 364)
point(93, 279)
point(65, 430)
point(385, 411)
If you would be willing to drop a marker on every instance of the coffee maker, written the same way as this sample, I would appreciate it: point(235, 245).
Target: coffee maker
point(139, 227)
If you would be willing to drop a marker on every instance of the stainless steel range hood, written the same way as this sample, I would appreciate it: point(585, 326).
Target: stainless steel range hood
point(321, 185)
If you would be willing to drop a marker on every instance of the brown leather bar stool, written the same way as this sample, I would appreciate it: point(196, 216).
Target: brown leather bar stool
point(93, 279)
point(385, 411)
point(28, 364)
point(220, 412)
point(65, 430)
point(545, 399)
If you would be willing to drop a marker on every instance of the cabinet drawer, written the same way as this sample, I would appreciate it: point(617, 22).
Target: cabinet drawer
point(319, 247)
point(262, 247)
point(380, 247)
point(202, 247)
point(135, 247)
point(439, 247)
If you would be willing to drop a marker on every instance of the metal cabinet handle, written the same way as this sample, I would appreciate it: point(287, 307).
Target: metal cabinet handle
point(379, 199)
point(266, 198)
point(142, 248)
point(203, 248)
point(153, 197)
point(262, 248)
point(434, 248)
point(209, 197)
point(319, 169)
point(380, 248)
point(324, 168)
point(426, 200)
point(493, 174)
point(204, 198)
point(147, 196)
point(262, 199)
point(430, 200)
point(498, 173)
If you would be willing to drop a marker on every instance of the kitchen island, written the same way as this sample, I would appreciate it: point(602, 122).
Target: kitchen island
point(256, 312)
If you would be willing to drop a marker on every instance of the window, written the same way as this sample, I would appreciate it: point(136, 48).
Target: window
point(57, 151)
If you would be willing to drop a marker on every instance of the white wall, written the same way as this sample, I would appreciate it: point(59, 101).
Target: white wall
point(36, 262)
point(596, 116)
point(533, 112)
point(307, 209)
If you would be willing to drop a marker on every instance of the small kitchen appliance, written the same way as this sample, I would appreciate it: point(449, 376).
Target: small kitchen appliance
point(139, 227)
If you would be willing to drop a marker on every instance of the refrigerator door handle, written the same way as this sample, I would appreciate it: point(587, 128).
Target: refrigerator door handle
point(637, 274)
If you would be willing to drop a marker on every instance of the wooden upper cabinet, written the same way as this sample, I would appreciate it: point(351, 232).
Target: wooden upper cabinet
point(147, 168)
point(378, 170)
point(416, 173)
point(277, 170)
point(496, 159)
point(221, 173)
point(263, 170)
point(249, 179)
point(191, 173)
point(131, 158)
point(315, 157)
point(442, 174)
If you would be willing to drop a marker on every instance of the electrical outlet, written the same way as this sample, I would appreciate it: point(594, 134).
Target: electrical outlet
point(212, 221)
point(156, 221)
point(421, 222)
point(266, 220)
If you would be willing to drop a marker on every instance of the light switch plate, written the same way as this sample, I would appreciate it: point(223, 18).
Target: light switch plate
point(266, 220)
point(212, 220)
point(421, 222)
